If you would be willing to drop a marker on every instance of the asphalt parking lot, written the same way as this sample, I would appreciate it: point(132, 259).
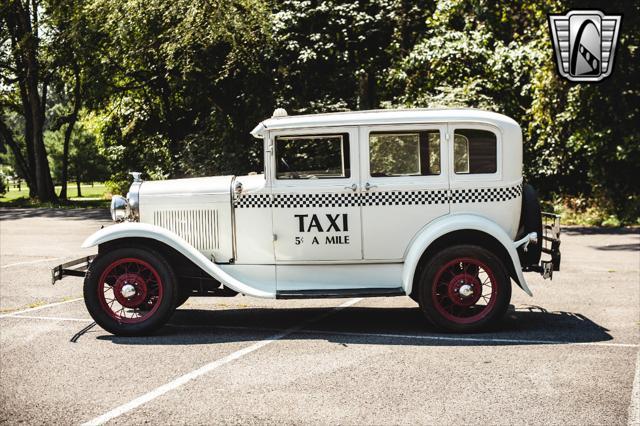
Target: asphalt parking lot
point(569, 355)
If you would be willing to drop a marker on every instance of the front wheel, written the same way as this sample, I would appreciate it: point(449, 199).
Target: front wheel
point(130, 291)
point(464, 289)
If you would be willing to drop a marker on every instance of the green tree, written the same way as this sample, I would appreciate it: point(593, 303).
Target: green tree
point(580, 139)
point(331, 55)
point(181, 73)
point(25, 63)
point(86, 161)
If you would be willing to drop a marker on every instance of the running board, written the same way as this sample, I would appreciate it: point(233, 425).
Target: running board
point(337, 293)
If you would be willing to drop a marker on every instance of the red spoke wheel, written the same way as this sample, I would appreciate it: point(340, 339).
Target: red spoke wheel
point(130, 291)
point(464, 289)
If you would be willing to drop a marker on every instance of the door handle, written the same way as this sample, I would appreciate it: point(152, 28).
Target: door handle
point(368, 186)
point(353, 187)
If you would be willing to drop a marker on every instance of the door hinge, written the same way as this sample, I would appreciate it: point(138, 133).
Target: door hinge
point(275, 237)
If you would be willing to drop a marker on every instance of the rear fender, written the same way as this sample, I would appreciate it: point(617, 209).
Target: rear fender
point(144, 230)
point(459, 222)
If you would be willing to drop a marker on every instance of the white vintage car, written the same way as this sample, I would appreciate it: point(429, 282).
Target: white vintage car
point(428, 204)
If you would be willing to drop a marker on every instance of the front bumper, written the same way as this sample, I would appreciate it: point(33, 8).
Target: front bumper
point(74, 268)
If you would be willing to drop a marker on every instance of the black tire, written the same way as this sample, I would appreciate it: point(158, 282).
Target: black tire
point(530, 221)
point(433, 295)
point(158, 277)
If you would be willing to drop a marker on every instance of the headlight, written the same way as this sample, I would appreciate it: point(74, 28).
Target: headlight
point(134, 196)
point(120, 209)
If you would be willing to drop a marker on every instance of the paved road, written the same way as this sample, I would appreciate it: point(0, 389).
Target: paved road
point(568, 355)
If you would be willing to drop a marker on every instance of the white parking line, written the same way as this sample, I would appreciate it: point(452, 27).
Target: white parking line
point(30, 262)
point(49, 318)
point(37, 308)
point(118, 411)
point(634, 405)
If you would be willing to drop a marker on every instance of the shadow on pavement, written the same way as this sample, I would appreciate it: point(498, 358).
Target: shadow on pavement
point(385, 326)
point(618, 247)
point(8, 213)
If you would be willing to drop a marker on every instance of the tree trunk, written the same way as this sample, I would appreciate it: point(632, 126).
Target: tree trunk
point(73, 117)
point(28, 125)
point(65, 162)
point(43, 173)
point(366, 91)
point(78, 182)
point(19, 21)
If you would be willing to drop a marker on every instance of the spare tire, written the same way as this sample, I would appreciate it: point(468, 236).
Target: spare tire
point(530, 221)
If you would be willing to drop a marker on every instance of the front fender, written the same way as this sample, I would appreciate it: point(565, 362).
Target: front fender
point(145, 230)
point(452, 223)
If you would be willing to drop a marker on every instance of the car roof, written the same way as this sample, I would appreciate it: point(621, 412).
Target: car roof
point(383, 116)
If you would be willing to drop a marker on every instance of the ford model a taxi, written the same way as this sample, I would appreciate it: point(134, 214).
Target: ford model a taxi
point(424, 203)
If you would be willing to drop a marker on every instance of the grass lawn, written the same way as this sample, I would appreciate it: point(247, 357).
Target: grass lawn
point(92, 196)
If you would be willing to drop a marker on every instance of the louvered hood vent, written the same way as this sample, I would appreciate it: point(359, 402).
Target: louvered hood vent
point(199, 227)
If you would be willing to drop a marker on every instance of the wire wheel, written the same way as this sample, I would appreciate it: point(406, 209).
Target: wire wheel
point(130, 290)
point(464, 290)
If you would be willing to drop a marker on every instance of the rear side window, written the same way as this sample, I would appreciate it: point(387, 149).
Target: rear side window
point(414, 153)
point(474, 151)
point(313, 157)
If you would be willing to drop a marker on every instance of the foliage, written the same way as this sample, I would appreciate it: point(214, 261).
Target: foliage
point(583, 212)
point(333, 55)
point(498, 56)
point(184, 83)
point(86, 163)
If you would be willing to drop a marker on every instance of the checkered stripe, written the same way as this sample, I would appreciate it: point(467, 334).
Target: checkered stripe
point(289, 201)
point(485, 195)
point(390, 198)
point(409, 198)
point(253, 201)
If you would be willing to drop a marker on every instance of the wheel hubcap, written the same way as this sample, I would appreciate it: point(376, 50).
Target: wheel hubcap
point(128, 290)
point(466, 290)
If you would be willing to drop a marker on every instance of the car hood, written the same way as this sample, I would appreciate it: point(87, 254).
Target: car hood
point(192, 186)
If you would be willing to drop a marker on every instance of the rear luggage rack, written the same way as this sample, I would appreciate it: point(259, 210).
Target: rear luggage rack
point(74, 268)
point(550, 243)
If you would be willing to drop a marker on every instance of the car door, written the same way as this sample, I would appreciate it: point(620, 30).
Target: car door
point(405, 185)
point(315, 188)
point(476, 175)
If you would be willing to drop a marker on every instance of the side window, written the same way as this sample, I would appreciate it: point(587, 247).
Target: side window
point(474, 151)
point(312, 157)
point(404, 153)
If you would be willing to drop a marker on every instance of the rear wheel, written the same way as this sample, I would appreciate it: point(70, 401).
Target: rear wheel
point(130, 291)
point(464, 289)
